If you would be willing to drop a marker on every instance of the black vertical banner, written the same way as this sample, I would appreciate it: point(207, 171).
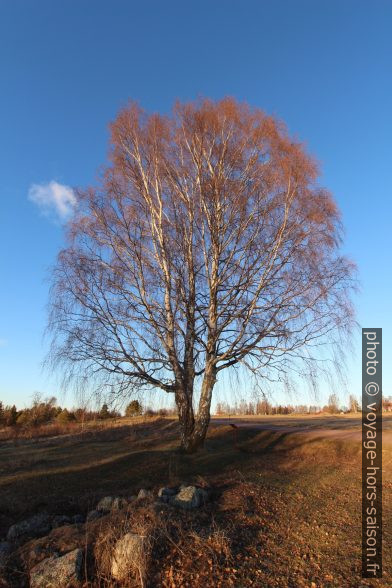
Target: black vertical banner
point(371, 453)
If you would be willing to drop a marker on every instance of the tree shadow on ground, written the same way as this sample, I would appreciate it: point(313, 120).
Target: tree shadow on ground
point(80, 473)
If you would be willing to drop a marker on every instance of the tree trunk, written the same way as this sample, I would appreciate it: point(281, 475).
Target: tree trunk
point(185, 416)
point(194, 430)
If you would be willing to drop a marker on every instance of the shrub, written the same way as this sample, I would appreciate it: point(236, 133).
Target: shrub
point(65, 417)
point(104, 412)
point(134, 408)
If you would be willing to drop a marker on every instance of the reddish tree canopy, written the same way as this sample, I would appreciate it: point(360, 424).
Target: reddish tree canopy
point(207, 244)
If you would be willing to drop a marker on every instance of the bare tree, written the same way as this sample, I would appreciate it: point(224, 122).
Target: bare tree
point(207, 245)
point(353, 404)
point(333, 403)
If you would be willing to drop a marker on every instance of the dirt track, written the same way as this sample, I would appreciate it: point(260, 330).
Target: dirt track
point(338, 427)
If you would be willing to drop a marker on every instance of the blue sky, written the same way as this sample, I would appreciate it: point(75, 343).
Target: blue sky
point(66, 68)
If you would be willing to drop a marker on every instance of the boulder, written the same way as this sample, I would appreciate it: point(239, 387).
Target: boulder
point(35, 526)
point(64, 571)
point(167, 492)
point(93, 515)
point(119, 503)
point(144, 494)
point(59, 541)
point(78, 519)
point(60, 521)
point(128, 556)
point(105, 503)
point(109, 503)
point(189, 497)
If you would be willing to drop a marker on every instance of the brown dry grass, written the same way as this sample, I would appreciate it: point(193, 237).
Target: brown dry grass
point(18, 433)
point(285, 509)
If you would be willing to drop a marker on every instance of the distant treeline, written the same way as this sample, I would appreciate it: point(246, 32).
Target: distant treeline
point(264, 407)
point(48, 412)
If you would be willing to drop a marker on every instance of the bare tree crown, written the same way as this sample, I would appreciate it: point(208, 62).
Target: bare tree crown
point(207, 244)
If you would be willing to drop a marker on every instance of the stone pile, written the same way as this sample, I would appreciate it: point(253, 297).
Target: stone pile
point(130, 550)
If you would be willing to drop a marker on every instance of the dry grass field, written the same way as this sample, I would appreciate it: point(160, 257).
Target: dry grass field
point(285, 508)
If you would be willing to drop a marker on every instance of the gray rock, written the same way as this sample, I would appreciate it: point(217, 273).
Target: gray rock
point(53, 572)
point(93, 515)
point(145, 494)
point(167, 492)
point(164, 499)
point(128, 556)
point(109, 503)
point(60, 521)
point(35, 526)
point(105, 503)
point(189, 497)
point(5, 552)
point(78, 519)
point(119, 503)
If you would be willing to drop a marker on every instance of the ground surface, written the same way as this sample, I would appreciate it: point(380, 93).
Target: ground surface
point(338, 427)
point(285, 509)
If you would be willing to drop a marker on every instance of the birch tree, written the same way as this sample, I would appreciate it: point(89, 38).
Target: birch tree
point(207, 244)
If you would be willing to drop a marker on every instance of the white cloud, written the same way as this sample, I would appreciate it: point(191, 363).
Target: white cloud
point(53, 198)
